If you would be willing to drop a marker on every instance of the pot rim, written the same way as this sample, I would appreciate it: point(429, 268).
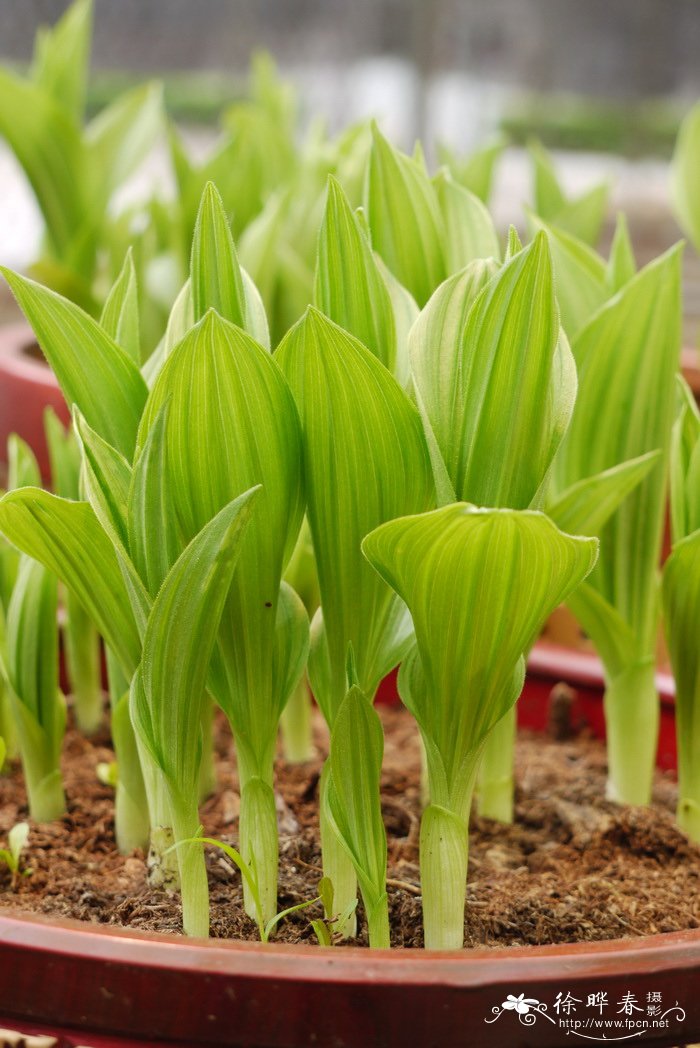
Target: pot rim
point(557, 663)
point(477, 967)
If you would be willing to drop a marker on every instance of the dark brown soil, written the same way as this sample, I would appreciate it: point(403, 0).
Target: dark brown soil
point(573, 866)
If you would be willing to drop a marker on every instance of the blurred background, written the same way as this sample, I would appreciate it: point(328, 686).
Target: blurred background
point(603, 84)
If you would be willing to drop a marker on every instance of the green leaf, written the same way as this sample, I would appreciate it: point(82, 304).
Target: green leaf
point(215, 273)
point(226, 391)
point(622, 264)
point(356, 751)
point(404, 218)
point(120, 137)
point(469, 229)
point(32, 643)
point(685, 466)
point(362, 436)
point(496, 395)
point(78, 350)
point(580, 275)
point(169, 687)
point(476, 171)
point(627, 355)
point(586, 506)
point(64, 456)
point(582, 216)
point(681, 601)
point(154, 539)
point(349, 286)
point(67, 538)
point(17, 839)
point(120, 314)
point(47, 143)
point(684, 168)
point(106, 479)
point(22, 467)
point(514, 567)
point(62, 55)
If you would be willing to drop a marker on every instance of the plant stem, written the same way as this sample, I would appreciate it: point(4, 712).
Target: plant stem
point(444, 846)
point(295, 724)
point(258, 837)
point(193, 872)
point(207, 769)
point(84, 664)
point(337, 866)
point(8, 730)
point(688, 808)
point(632, 726)
point(378, 924)
point(494, 797)
point(47, 801)
point(131, 819)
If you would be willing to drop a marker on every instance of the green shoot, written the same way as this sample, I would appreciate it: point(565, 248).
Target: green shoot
point(12, 855)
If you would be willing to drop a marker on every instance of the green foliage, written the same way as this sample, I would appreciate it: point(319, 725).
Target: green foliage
point(466, 670)
point(627, 356)
point(355, 764)
point(476, 171)
point(11, 856)
point(681, 603)
point(686, 161)
point(405, 221)
point(581, 216)
point(74, 168)
point(488, 347)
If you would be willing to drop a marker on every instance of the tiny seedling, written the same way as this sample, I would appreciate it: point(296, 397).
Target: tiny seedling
point(11, 856)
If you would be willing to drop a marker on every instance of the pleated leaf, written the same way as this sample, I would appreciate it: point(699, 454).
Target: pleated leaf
point(586, 506)
point(580, 274)
point(627, 356)
point(404, 218)
point(349, 287)
point(581, 216)
point(469, 229)
point(686, 162)
point(497, 395)
point(67, 538)
point(365, 462)
point(93, 371)
point(479, 584)
point(32, 646)
point(61, 58)
point(46, 140)
point(120, 137)
point(120, 313)
point(681, 604)
point(356, 752)
point(169, 687)
point(232, 424)
point(685, 467)
point(215, 272)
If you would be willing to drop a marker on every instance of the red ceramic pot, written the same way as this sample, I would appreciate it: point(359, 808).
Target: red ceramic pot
point(102, 987)
point(27, 388)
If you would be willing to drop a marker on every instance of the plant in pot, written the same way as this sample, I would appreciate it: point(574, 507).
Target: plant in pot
point(432, 550)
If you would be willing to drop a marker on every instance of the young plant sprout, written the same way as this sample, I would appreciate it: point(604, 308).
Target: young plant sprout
point(582, 216)
point(466, 670)
point(360, 428)
point(249, 876)
point(16, 843)
point(627, 356)
point(354, 806)
point(80, 638)
point(681, 602)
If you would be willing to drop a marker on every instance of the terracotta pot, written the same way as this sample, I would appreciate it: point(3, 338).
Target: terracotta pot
point(103, 987)
point(27, 388)
point(690, 366)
